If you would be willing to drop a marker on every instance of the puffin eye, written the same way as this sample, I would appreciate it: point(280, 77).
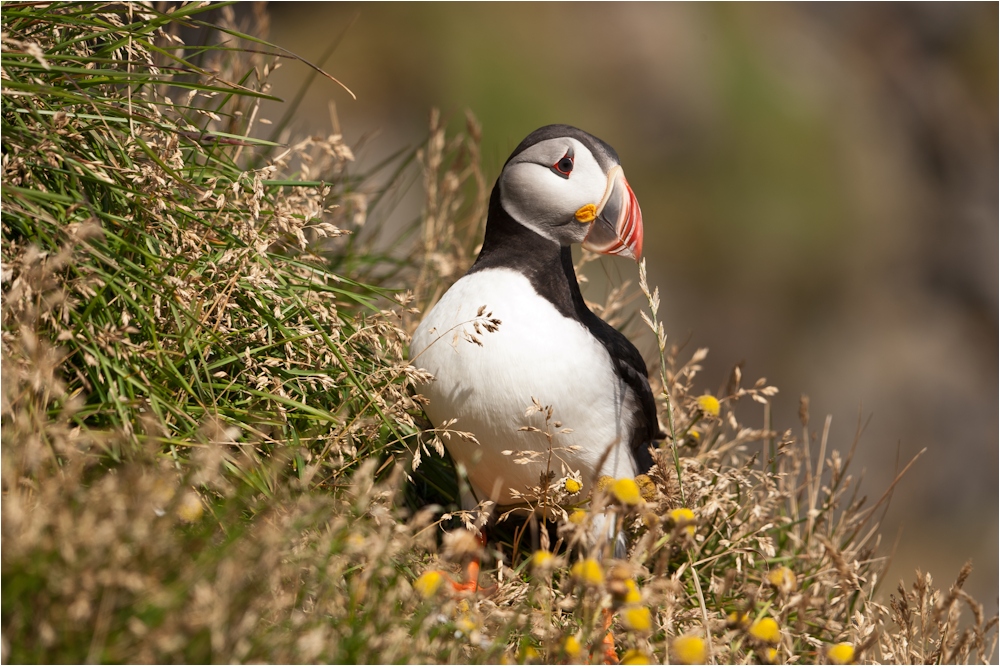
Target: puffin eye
point(564, 166)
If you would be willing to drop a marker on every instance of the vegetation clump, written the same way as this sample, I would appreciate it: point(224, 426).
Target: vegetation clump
point(212, 449)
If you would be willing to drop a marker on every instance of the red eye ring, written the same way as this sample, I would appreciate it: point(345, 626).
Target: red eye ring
point(564, 166)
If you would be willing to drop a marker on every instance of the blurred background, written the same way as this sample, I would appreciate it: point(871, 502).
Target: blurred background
point(819, 189)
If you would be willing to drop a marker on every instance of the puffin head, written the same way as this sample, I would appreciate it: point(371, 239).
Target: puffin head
point(568, 186)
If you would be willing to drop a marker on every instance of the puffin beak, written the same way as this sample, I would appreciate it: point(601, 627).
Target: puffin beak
point(617, 229)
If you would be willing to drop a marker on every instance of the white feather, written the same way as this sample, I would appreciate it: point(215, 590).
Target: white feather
point(536, 353)
point(545, 202)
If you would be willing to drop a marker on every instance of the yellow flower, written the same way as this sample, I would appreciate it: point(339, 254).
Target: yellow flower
point(841, 653)
point(604, 482)
point(578, 517)
point(529, 653)
point(542, 560)
point(709, 405)
point(638, 618)
point(572, 647)
point(689, 650)
point(466, 624)
point(428, 583)
point(767, 630)
point(621, 585)
point(190, 508)
point(684, 516)
point(634, 657)
point(161, 493)
point(646, 487)
point(626, 491)
point(771, 655)
point(738, 619)
point(632, 594)
point(588, 571)
point(783, 579)
point(572, 486)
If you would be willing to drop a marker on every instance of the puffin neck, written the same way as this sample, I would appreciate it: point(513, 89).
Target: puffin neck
point(547, 265)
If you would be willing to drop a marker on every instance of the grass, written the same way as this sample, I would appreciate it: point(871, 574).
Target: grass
point(212, 449)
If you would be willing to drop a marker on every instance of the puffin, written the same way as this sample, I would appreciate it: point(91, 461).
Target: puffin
point(517, 358)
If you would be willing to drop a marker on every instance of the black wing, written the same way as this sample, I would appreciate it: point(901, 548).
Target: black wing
point(631, 368)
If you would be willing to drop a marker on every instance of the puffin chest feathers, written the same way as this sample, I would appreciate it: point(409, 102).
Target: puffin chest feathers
point(536, 353)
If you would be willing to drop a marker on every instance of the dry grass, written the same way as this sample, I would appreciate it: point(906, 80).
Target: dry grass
point(210, 446)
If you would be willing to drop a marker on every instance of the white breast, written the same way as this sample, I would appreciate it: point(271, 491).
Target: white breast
point(535, 353)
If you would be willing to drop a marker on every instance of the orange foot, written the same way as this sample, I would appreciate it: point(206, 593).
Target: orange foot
point(608, 642)
point(470, 549)
point(470, 584)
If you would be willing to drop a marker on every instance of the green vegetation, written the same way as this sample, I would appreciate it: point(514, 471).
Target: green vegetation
point(211, 448)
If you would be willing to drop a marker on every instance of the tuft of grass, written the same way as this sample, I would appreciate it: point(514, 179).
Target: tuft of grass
point(180, 364)
point(211, 446)
point(181, 286)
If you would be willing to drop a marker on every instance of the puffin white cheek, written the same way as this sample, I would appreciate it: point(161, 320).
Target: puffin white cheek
point(533, 195)
point(528, 197)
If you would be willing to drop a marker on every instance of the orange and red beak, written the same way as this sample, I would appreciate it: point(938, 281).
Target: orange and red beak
point(617, 229)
